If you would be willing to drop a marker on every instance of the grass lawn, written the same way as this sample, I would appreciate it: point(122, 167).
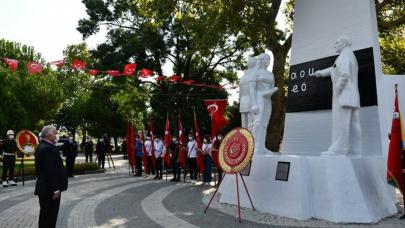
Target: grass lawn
point(29, 167)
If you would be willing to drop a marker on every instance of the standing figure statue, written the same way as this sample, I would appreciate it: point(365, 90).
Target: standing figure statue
point(244, 94)
point(346, 130)
point(261, 87)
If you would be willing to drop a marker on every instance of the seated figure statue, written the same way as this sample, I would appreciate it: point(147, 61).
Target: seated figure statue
point(261, 87)
point(346, 130)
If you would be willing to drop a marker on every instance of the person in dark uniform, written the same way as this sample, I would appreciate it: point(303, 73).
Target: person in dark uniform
point(88, 149)
point(70, 153)
point(100, 150)
point(8, 153)
point(124, 149)
point(174, 152)
point(51, 177)
point(138, 155)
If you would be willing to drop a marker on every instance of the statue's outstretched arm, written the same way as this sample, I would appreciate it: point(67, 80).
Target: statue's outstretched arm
point(324, 73)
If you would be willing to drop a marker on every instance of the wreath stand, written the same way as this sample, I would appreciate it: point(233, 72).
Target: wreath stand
point(237, 194)
point(235, 153)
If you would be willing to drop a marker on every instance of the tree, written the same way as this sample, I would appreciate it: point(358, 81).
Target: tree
point(27, 101)
point(206, 40)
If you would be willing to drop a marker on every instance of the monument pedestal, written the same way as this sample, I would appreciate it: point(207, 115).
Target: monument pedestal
point(335, 188)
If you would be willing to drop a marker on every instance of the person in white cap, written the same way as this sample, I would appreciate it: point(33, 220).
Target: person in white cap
point(8, 153)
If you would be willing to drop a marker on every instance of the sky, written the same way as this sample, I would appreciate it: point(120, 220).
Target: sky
point(50, 25)
point(47, 25)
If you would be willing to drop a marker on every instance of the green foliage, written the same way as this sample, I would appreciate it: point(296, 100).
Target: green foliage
point(27, 101)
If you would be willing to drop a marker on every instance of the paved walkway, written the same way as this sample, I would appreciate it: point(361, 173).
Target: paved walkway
point(114, 199)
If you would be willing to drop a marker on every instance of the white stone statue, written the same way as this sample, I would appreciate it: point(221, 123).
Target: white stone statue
point(256, 89)
point(346, 130)
point(244, 94)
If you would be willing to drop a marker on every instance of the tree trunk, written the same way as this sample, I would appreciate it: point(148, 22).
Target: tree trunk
point(276, 126)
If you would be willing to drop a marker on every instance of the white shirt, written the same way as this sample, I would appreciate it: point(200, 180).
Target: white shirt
point(192, 149)
point(158, 148)
point(148, 147)
point(206, 148)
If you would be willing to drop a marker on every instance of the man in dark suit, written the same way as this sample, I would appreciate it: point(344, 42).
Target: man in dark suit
point(51, 177)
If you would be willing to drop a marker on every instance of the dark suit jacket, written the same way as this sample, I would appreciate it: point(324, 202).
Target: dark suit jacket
point(49, 169)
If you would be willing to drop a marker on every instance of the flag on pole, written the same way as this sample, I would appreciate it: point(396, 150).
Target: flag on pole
point(200, 158)
point(216, 109)
point(145, 155)
point(152, 144)
point(130, 143)
point(394, 162)
point(182, 141)
point(167, 141)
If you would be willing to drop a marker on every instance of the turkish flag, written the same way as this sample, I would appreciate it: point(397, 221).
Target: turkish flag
point(129, 69)
point(130, 143)
point(146, 73)
point(188, 82)
point(34, 67)
point(174, 78)
point(167, 141)
point(113, 73)
point(12, 64)
point(58, 63)
point(152, 141)
point(78, 64)
point(93, 72)
point(145, 153)
point(394, 162)
point(200, 158)
point(182, 141)
point(216, 109)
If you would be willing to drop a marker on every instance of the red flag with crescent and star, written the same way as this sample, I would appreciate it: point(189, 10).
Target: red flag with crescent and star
point(394, 162)
point(200, 158)
point(167, 141)
point(12, 64)
point(93, 72)
point(145, 73)
point(129, 69)
point(216, 109)
point(34, 67)
point(182, 141)
point(78, 64)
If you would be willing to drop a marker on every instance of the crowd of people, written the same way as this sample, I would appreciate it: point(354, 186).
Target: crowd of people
point(188, 164)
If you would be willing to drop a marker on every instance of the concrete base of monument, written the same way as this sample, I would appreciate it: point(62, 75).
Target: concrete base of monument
point(335, 188)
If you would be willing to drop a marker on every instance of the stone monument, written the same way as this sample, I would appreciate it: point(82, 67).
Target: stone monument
point(346, 130)
point(256, 89)
point(344, 189)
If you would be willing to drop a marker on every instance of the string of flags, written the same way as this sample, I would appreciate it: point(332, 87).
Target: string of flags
point(128, 71)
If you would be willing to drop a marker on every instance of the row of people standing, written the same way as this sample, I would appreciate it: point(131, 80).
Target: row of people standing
point(209, 151)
